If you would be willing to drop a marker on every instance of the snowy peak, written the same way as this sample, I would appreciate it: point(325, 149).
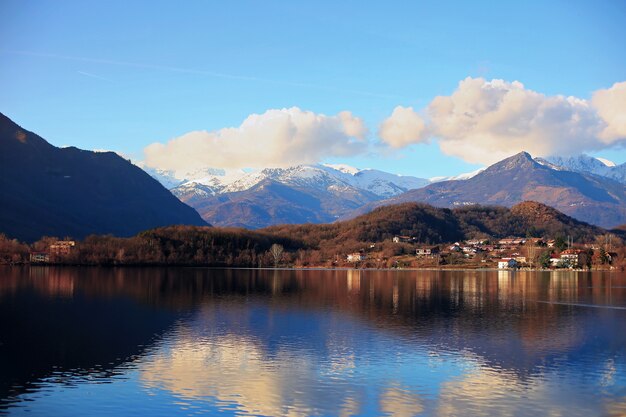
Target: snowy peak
point(385, 184)
point(587, 165)
point(334, 178)
point(346, 169)
point(522, 160)
point(581, 163)
point(195, 189)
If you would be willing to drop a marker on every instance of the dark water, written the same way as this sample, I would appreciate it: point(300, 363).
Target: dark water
point(88, 341)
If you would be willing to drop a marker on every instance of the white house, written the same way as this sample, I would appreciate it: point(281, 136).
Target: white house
point(427, 251)
point(507, 263)
point(355, 257)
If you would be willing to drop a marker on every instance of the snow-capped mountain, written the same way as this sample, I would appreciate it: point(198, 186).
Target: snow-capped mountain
point(283, 195)
point(213, 177)
point(587, 165)
point(324, 193)
point(591, 198)
point(216, 181)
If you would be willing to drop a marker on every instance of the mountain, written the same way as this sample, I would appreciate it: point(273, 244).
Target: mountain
point(221, 181)
point(587, 165)
point(590, 198)
point(45, 190)
point(271, 202)
point(433, 225)
point(171, 179)
point(300, 194)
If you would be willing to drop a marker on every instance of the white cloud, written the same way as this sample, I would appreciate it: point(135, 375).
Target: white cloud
point(611, 106)
point(402, 128)
point(279, 137)
point(485, 121)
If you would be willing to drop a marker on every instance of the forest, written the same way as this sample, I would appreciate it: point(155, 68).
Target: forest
point(318, 244)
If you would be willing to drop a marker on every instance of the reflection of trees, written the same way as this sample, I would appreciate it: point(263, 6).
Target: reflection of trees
point(492, 314)
point(51, 326)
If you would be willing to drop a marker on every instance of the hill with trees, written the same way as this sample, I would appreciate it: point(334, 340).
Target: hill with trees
point(318, 244)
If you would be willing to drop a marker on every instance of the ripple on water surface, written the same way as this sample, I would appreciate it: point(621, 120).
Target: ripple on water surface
point(245, 342)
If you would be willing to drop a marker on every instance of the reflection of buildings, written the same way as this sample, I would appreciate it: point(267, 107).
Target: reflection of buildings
point(259, 340)
point(353, 280)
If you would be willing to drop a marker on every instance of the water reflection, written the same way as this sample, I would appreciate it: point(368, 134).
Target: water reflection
point(175, 341)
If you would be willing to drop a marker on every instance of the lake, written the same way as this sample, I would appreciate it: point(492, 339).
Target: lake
point(198, 341)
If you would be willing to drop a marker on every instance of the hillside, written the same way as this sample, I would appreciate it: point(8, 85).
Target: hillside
point(589, 198)
point(433, 225)
point(320, 244)
point(45, 190)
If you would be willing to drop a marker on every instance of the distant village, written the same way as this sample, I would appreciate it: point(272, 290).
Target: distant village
point(508, 253)
point(399, 252)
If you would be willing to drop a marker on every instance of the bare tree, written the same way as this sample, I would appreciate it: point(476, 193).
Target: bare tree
point(277, 252)
point(531, 251)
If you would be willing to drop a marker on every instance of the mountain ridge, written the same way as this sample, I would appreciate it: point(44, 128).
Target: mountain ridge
point(47, 190)
point(594, 199)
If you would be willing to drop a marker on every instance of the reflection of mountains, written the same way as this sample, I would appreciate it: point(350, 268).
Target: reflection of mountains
point(81, 317)
point(54, 323)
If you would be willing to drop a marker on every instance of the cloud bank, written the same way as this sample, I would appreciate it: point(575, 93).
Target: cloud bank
point(276, 138)
point(485, 121)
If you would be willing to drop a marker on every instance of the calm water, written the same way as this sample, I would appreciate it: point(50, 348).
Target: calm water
point(88, 341)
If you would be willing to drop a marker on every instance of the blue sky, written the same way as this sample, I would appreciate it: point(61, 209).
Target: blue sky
point(121, 75)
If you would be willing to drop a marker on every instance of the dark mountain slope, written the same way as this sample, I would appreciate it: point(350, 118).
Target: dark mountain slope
point(45, 190)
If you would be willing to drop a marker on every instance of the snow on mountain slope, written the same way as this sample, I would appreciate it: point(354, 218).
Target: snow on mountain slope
point(580, 163)
point(464, 176)
point(588, 165)
point(166, 178)
point(607, 162)
point(318, 177)
point(385, 184)
point(346, 169)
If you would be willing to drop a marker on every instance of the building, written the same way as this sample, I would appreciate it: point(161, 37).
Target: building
point(403, 239)
point(62, 247)
point(39, 257)
point(570, 257)
point(427, 251)
point(513, 241)
point(455, 248)
point(507, 263)
point(355, 257)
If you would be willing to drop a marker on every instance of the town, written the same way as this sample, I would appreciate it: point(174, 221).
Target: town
point(512, 253)
point(507, 253)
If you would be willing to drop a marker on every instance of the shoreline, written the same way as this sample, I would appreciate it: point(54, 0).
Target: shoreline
point(313, 268)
